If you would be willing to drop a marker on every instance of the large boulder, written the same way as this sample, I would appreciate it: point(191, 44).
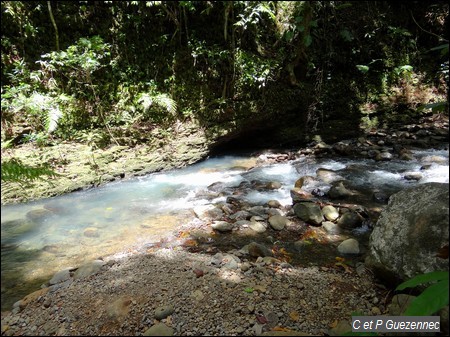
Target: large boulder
point(411, 233)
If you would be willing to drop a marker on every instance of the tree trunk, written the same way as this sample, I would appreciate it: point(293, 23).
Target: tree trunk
point(54, 24)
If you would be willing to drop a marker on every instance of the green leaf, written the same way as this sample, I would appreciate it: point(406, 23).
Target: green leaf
point(308, 40)
point(362, 68)
point(345, 5)
point(442, 46)
point(289, 35)
point(406, 67)
point(249, 290)
point(424, 278)
point(435, 107)
point(14, 171)
point(430, 301)
point(346, 35)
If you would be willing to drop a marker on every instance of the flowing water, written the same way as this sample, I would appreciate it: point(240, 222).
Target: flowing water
point(42, 237)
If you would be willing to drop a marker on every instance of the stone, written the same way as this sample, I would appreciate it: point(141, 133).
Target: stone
point(91, 232)
point(331, 227)
point(298, 195)
point(256, 250)
point(278, 222)
point(330, 212)
point(384, 156)
point(60, 276)
point(327, 176)
point(339, 191)
point(38, 215)
point(222, 226)
point(305, 181)
point(258, 226)
point(273, 185)
point(89, 268)
point(410, 233)
point(163, 312)
point(350, 220)
point(309, 212)
point(413, 176)
point(159, 329)
point(349, 246)
point(208, 212)
point(274, 203)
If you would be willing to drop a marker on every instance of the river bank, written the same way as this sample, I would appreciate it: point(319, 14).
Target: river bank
point(82, 166)
point(210, 292)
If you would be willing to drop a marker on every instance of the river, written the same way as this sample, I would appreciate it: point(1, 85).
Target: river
point(42, 237)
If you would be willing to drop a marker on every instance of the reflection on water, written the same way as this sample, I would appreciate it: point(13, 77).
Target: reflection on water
point(42, 237)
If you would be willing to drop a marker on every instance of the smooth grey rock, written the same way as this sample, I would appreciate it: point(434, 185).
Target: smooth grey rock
point(163, 312)
point(256, 249)
point(330, 212)
point(257, 226)
point(89, 268)
point(278, 222)
point(349, 246)
point(339, 191)
point(309, 212)
point(159, 329)
point(350, 220)
point(222, 226)
point(331, 227)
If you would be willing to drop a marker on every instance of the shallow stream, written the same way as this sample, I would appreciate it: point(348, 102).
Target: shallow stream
point(42, 237)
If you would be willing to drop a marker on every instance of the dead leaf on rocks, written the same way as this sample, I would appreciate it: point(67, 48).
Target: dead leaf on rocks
point(280, 328)
point(443, 252)
point(347, 269)
point(190, 243)
point(198, 272)
point(184, 234)
point(261, 319)
point(294, 316)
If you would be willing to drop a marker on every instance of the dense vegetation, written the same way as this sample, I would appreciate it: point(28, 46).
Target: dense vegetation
point(107, 72)
point(267, 73)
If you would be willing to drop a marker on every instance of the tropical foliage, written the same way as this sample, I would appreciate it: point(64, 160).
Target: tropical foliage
point(14, 171)
point(117, 66)
point(433, 298)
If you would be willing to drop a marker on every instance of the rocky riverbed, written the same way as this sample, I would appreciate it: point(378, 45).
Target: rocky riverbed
point(168, 290)
point(187, 286)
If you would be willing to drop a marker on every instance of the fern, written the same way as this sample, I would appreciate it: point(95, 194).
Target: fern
point(14, 171)
point(164, 101)
point(161, 100)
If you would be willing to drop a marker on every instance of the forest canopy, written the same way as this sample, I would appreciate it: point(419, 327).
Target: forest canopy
point(105, 72)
